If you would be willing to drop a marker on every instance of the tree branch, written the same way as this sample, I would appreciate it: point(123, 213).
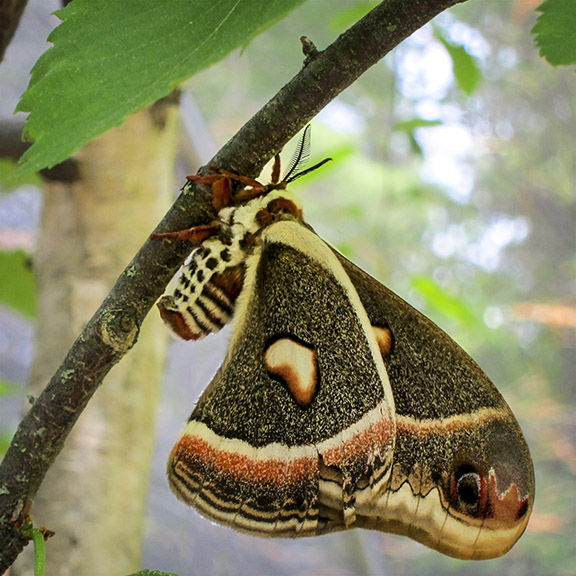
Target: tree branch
point(10, 14)
point(113, 330)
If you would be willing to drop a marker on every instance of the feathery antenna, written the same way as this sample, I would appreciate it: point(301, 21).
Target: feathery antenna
point(300, 157)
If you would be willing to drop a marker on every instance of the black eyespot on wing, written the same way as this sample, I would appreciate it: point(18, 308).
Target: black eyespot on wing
point(468, 491)
point(468, 486)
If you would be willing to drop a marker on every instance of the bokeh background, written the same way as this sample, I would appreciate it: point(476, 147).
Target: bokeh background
point(453, 182)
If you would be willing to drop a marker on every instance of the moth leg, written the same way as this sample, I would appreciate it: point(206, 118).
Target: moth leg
point(275, 177)
point(195, 235)
point(246, 180)
point(221, 189)
point(252, 188)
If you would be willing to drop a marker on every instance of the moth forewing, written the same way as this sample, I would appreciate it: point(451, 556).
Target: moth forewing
point(328, 462)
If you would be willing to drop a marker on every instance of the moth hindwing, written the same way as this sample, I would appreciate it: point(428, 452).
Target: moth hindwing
point(338, 405)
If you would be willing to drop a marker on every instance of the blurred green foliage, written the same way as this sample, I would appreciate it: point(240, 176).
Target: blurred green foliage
point(17, 283)
point(10, 177)
point(466, 72)
point(6, 389)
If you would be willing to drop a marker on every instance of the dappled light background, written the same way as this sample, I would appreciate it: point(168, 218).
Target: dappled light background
point(453, 184)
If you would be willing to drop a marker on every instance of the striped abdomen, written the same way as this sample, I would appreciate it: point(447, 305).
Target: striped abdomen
point(205, 295)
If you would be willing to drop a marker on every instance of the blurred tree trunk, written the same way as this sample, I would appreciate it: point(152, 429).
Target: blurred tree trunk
point(94, 497)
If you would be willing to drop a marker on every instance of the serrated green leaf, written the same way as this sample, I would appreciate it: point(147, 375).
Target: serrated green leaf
point(17, 282)
point(464, 66)
point(555, 31)
point(439, 299)
point(111, 59)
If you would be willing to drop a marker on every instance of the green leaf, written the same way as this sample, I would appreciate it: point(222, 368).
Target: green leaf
point(113, 58)
point(464, 66)
point(555, 31)
point(450, 306)
point(17, 282)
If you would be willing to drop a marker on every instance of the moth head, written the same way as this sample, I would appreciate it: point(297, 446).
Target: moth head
point(277, 209)
point(254, 189)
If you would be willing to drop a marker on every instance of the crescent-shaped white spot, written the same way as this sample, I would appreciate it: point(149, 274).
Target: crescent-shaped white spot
point(295, 364)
